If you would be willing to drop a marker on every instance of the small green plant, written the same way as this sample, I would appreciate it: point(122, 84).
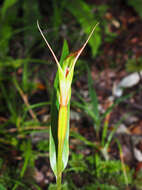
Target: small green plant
point(95, 172)
point(59, 132)
point(77, 163)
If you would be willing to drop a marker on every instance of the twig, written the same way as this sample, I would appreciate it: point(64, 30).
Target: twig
point(25, 99)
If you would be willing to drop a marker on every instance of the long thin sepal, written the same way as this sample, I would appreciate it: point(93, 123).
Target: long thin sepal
point(49, 47)
point(84, 45)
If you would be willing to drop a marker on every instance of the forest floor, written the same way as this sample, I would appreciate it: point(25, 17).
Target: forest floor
point(107, 70)
point(117, 60)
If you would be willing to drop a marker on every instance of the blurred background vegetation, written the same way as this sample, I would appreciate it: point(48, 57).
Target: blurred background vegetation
point(106, 125)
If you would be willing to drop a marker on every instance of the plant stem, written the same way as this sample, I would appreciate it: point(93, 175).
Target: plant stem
point(59, 167)
point(58, 183)
point(62, 127)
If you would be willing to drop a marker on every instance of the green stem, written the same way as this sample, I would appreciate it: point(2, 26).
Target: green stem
point(62, 126)
point(59, 167)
